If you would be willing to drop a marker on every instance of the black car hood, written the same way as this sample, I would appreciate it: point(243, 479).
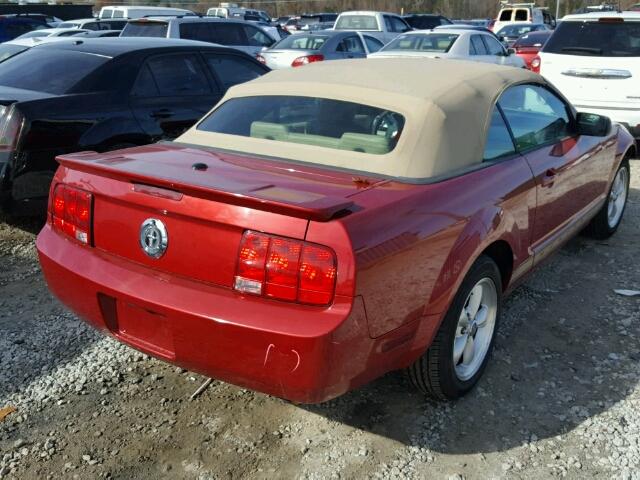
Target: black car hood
point(9, 95)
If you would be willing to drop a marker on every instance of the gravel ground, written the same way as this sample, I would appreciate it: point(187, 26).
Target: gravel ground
point(561, 396)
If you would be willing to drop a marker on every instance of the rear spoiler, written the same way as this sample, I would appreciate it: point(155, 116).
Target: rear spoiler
point(294, 203)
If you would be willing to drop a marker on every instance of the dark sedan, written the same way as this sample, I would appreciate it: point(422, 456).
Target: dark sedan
point(102, 94)
point(513, 32)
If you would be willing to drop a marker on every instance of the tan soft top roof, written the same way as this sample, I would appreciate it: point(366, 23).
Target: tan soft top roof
point(447, 106)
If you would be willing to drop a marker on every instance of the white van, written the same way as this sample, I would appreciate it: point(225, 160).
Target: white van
point(225, 11)
point(523, 13)
point(141, 12)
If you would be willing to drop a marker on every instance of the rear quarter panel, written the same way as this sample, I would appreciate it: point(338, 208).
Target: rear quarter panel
point(413, 244)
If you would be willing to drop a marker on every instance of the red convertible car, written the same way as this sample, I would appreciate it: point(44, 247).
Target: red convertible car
point(324, 225)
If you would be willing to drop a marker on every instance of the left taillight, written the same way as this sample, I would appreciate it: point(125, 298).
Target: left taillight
point(285, 269)
point(306, 60)
point(261, 59)
point(70, 212)
point(11, 121)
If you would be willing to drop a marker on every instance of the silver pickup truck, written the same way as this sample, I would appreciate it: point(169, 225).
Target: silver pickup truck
point(382, 25)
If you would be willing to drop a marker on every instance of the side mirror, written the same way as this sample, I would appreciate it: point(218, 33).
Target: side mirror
point(593, 125)
point(511, 51)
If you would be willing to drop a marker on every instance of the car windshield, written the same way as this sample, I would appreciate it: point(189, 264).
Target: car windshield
point(356, 22)
point(320, 122)
point(302, 42)
point(145, 29)
point(47, 70)
point(534, 39)
point(34, 33)
point(8, 51)
point(603, 38)
point(309, 20)
point(430, 42)
point(514, 30)
point(424, 22)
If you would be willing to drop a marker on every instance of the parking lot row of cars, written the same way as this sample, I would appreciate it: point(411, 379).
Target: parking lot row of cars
point(50, 86)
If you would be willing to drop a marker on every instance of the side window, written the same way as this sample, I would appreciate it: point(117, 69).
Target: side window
point(232, 70)
point(179, 75)
point(499, 143)
point(257, 38)
point(477, 45)
point(145, 85)
point(522, 15)
point(537, 117)
point(229, 33)
point(505, 15)
point(398, 25)
point(493, 46)
point(196, 31)
point(92, 26)
point(351, 44)
point(373, 44)
point(387, 23)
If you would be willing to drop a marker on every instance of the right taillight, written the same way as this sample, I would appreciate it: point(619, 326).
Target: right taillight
point(285, 269)
point(10, 126)
point(535, 64)
point(300, 61)
point(70, 212)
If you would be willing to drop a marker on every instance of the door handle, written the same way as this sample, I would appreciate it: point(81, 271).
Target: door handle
point(549, 177)
point(162, 113)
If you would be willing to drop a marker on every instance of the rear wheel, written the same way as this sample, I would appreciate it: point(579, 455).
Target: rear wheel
point(608, 219)
point(456, 359)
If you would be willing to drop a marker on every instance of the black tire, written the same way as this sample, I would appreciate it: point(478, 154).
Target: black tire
point(599, 227)
point(434, 373)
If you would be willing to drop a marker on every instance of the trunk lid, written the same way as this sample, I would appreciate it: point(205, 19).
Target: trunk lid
point(277, 59)
point(204, 210)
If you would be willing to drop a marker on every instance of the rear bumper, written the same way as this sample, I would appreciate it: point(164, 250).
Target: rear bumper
point(304, 354)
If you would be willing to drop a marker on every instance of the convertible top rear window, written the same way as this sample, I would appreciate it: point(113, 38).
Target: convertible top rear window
point(321, 122)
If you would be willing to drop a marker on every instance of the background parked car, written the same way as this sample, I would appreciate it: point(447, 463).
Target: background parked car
point(94, 24)
point(594, 59)
point(139, 12)
point(475, 28)
point(317, 21)
point(98, 33)
point(426, 21)
point(12, 26)
point(384, 26)
point(510, 33)
point(19, 45)
point(53, 32)
point(237, 34)
point(102, 94)
point(528, 45)
point(453, 44)
point(305, 48)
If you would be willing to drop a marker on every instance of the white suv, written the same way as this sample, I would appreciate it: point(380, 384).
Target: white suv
point(594, 59)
